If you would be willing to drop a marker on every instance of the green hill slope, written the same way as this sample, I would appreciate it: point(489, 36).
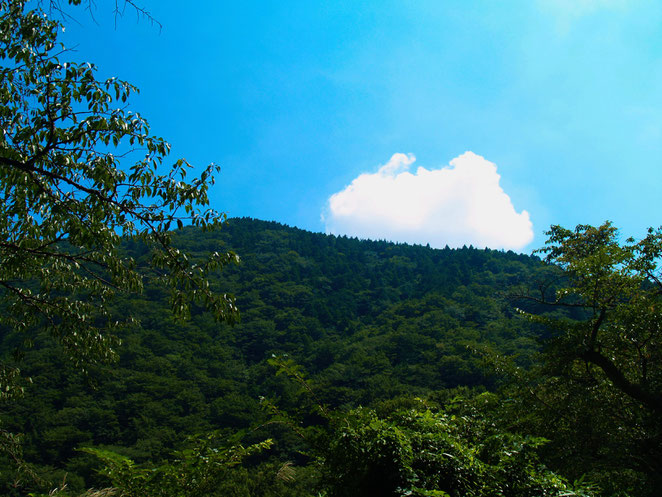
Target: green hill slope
point(367, 320)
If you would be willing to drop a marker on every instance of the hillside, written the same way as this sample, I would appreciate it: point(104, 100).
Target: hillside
point(368, 321)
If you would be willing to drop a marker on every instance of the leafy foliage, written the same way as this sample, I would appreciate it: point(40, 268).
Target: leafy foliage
point(422, 451)
point(79, 173)
point(66, 200)
point(411, 447)
point(597, 392)
point(199, 469)
point(620, 286)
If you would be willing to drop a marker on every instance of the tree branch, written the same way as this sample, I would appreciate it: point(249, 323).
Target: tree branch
point(633, 390)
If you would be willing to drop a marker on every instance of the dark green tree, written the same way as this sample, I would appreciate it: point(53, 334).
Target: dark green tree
point(619, 287)
point(598, 390)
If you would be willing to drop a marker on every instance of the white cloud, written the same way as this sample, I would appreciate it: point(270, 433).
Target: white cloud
point(458, 205)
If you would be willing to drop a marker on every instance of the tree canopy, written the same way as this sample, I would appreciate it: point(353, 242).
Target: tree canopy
point(597, 390)
point(79, 172)
point(620, 287)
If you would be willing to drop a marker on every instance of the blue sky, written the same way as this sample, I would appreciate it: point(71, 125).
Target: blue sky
point(559, 103)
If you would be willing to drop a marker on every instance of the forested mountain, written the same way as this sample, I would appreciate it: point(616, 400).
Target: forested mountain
point(367, 322)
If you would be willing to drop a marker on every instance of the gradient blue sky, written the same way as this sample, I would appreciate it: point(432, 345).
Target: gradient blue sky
point(296, 99)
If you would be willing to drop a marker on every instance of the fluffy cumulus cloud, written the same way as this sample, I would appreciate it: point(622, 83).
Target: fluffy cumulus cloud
point(461, 204)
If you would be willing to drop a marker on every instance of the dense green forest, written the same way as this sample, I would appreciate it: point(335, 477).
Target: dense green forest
point(390, 328)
